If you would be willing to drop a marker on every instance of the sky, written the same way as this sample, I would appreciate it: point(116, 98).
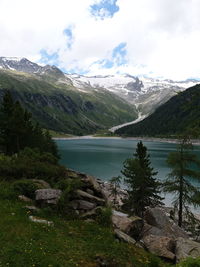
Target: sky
point(153, 38)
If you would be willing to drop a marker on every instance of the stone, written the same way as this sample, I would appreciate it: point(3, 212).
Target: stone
point(84, 195)
point(89, 191)
point(129, 225)
point(31, 208)
point(24, 198)
point(93, 182)
point(161, 246)
point(186, 248)
point(92, 214)
point(48, 196)
point(40, 220)
point(82, 205)
point(126, 238)
point(41, 183)
point(157, 223)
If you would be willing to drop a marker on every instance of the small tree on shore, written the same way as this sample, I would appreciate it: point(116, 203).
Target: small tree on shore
point(115, 183)
point(179, 179)
point(142, 186)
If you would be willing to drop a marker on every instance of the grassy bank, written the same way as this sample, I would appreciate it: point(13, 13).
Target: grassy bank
point(70, 242)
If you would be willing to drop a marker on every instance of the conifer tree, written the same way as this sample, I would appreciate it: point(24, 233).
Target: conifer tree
point(179, 179)
point(18, 131)
point(142, 186)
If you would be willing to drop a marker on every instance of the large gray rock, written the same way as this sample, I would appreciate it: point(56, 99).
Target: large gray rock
point(186, 248)
point(129, 225)
point(159, 224)
point(48, 196)
point(161, 246)
point(86, 196)
point(78, 204)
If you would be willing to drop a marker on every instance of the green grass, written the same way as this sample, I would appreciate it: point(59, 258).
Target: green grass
point(68, 243)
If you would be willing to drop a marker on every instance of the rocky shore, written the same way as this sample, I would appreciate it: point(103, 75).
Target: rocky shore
point(157, 232)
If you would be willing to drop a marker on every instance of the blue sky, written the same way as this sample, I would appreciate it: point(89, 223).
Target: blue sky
point(155, 38)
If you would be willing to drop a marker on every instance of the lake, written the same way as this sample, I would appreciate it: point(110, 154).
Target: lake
point(104, 158)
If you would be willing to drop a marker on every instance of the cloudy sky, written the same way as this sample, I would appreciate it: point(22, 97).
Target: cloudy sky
point(156, 38)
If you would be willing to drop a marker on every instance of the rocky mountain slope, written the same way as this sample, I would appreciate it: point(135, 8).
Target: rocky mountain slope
point(145, 93)
point(179, 113)
point(57, 104)
point(82, 104)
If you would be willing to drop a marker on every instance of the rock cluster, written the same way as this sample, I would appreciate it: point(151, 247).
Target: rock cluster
point(156, 232)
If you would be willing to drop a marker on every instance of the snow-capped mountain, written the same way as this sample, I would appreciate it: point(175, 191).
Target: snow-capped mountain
point(145, 93)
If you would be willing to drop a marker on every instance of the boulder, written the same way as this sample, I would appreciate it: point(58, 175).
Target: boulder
point(126, 238)
point(24, 198)
point(129, 225)
point(92, 214)
point(41, 183)
point(82, 205)
point(48, 196)
point(157, 223)
point(31, 208)
point(186, 248)
point(40, 220)
point(92, 183)
point(84, 195)
point(161, 246)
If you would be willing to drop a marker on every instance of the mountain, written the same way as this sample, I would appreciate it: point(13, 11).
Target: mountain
point(56, 103)
point(145, 93)
point(176, 115)
point(83, 104)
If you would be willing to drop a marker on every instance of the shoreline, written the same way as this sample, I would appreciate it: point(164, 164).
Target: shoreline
point(148, 139)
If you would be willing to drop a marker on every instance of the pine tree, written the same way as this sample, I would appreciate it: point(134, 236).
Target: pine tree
point(18, 131)
point(6, 126)
point(178, 181)
point(142, 186)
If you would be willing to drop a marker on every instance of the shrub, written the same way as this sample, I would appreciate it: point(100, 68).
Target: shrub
point(31, 163)
point(190, 262)
point(25, 187)
point(104, 217)
point(68, 186)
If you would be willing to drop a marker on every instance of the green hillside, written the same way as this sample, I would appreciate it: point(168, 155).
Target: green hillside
point(179, 113)
point(61, 107)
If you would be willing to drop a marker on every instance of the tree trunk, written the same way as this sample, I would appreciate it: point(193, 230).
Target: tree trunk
point(180, 211)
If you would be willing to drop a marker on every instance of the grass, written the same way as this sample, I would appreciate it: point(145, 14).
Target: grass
point(71, 242)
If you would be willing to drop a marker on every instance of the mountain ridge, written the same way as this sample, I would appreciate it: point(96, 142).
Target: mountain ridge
point(178, 114)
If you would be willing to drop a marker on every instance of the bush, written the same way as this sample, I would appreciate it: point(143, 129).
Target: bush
point(190, 262)
point(25, 187)
point(68, 186)
point(31, 164)
point(104, 217)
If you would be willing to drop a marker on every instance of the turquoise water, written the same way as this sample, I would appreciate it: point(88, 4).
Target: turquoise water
point(104, 158)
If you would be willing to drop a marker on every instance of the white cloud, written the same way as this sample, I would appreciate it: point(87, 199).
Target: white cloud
point(162, 36)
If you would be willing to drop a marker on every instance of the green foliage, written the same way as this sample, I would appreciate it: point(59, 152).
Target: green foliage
point(115, 183)
point(180, 113)
point(17, 130)
point(178, 181)
point(142, 186)
point(104, 217)
point(25, 187)
point(60, 107)
point(68, 187)
point(31, 163)
point(190, 262)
